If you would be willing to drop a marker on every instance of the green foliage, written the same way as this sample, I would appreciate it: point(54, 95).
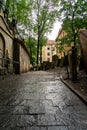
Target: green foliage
point(35, 17)
point(74, 18)
point(31, 45)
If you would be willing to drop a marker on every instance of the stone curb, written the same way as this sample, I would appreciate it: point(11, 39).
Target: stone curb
point(82, 97)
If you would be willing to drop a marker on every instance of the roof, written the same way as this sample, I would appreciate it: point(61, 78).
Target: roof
point(51, 42)
point(59, 32)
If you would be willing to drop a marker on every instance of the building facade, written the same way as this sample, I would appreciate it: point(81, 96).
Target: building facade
point(48, 51)
point(62, 47)
point(13, 51)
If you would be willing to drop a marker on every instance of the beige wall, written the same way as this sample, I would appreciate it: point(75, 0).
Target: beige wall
point(24, 60)
point(61, 34)
point(8, 37)
point(48, 51)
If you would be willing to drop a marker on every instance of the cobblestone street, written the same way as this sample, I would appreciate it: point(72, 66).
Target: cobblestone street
point(38, 100)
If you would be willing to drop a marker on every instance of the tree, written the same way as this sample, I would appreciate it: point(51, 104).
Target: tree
point(73, 16)
point(45, 14)
point(38, 15)
point(31, 45)
point(42, 43)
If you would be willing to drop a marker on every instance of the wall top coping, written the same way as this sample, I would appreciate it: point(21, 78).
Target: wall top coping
point(8, 31)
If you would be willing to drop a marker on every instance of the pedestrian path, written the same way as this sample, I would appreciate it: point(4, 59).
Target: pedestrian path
point(40, 101)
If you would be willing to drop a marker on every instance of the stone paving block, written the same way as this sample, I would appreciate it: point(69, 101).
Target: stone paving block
point(18, 128)
point(35, 106)
point(20, 121)
point(57, 128)
point(26, 120)
point(32, 128)
point(80, 120)
point(30, 102)
point(28, 88)
point(76, 128)
point(20, 110)
point(51, 95)
point(43, 128)
point(36, 128)
point(67, 109)
point(11, 122)
point(4, 119)
point(5, 128)
point(6, 109)
point(46, 119)
point(49, 107)
point(42, 96)
point(13, 100)
point(37, 110)
point(28, 95)
point(65, 119)
point(58, 102)
point(73, 100)
point(81, 109)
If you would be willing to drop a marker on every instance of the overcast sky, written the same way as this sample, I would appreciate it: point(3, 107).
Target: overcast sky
point(55, 30)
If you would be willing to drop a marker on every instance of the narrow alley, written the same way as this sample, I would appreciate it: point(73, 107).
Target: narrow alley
point(38, 100)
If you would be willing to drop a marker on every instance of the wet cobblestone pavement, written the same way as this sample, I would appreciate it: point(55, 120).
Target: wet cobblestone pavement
point(39, 101)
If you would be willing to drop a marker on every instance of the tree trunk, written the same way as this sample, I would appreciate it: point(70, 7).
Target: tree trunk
point(40, 55)
point(38, 44)
point(74, 63)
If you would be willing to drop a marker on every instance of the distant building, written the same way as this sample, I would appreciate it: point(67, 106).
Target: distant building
point(14, 55)
point(63, 47)
point(48, 51)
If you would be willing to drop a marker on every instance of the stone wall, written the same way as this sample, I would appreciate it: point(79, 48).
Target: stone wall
point(17, 51)
point(83, 44)
point(24, 60)
point(7, 39)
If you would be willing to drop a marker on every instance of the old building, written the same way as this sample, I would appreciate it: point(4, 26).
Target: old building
point(83, 45)
point(14, 56)
point(62, 46)
point(48, 51)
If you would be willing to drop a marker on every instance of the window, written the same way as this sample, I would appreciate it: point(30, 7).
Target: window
point(48, 59)
point(48, 53)
point(48, 48)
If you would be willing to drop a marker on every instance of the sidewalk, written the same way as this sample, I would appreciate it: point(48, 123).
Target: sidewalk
point(79, 87)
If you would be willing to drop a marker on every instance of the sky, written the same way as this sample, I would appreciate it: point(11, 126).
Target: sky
point(55, 30)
